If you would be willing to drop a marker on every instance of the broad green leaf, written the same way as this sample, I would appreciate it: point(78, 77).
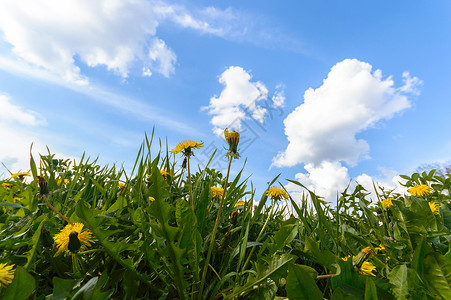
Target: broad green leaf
point(418, 256)
point(21, 287)
point(265, 293)
point(283, 237)
point(437, 272)
point(300, 285)
point(370, 290)
point(324, 257)
point(86, 290)
point(264, 271)
point(62, 288)
point(348, 279)
point(398, 278)
point(339, 294)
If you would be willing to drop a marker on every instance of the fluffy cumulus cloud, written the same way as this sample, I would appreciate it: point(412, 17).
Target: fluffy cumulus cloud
point(116, 34)
point(322, 131)
point(351, 99)
point(324, 180)
point(238, 100)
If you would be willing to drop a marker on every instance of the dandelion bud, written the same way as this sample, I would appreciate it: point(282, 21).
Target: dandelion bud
point(43, 188)
point(74, 242)
point(232, 138)
point(47, 240)
point(362, 256)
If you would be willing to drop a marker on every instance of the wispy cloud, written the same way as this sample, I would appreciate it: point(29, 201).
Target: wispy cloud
point(121, 103)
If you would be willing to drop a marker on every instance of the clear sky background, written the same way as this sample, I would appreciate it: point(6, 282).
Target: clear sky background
point(322, 91)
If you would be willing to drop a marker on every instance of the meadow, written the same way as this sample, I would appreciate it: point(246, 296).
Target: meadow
point(79, 230)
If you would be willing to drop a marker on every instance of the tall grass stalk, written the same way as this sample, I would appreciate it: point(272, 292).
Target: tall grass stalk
point(259, 236)
point(213, 236)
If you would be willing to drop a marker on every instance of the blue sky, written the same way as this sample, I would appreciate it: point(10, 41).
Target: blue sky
point(323, 91)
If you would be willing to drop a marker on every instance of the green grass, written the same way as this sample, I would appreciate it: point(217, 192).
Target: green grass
point(158, 249)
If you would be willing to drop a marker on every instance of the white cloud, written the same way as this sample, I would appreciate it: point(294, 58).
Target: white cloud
point(325, 180)
point(17, 133)
point(10, 113)
point(388, 180)
point(120, 35)
point(163, 59)
point(322, 131)
point(121, 103)
point(237, 101)
point(352, 99)
point(116, 34)
point(278, 98)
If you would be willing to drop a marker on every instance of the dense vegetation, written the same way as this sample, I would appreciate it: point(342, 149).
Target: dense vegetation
point(82, 231)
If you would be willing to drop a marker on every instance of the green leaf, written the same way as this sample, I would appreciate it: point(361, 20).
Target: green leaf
point(421, 251)
point(21, 287)
point(35, 242)
point(300, 285)
point(267, 292)
point(348, 279)
point(398, 278)
point(34, 171)
point(324, 257)
point(264, 271)
point(62, 288)
point(283, 237)
point(339, 294)
point(370, 290)
point(437, 272)
point(87, 290)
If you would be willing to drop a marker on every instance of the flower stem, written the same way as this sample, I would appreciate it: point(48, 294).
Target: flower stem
point(213, 236)
point(54, 209)
point(259, 236)
point(190, 188)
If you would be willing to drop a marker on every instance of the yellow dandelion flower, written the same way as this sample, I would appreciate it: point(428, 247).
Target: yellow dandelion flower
point(387, 203)
point(216, 192)
point(434, 208)
point(345, 258)
point(234, 214)
point(165, 174)
point(276, 193)
point(240, 203)
point(421, 190)
point(7, 185)
point(121, 185)
point(20, 175)
point(186, 146)
point(15, 199)
point(367, 268)
point(71, 238)
point(66, 181)
point(6, 274)
point(367, 251)
point(381, 248)
point(151, 199)
point(233, 139)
